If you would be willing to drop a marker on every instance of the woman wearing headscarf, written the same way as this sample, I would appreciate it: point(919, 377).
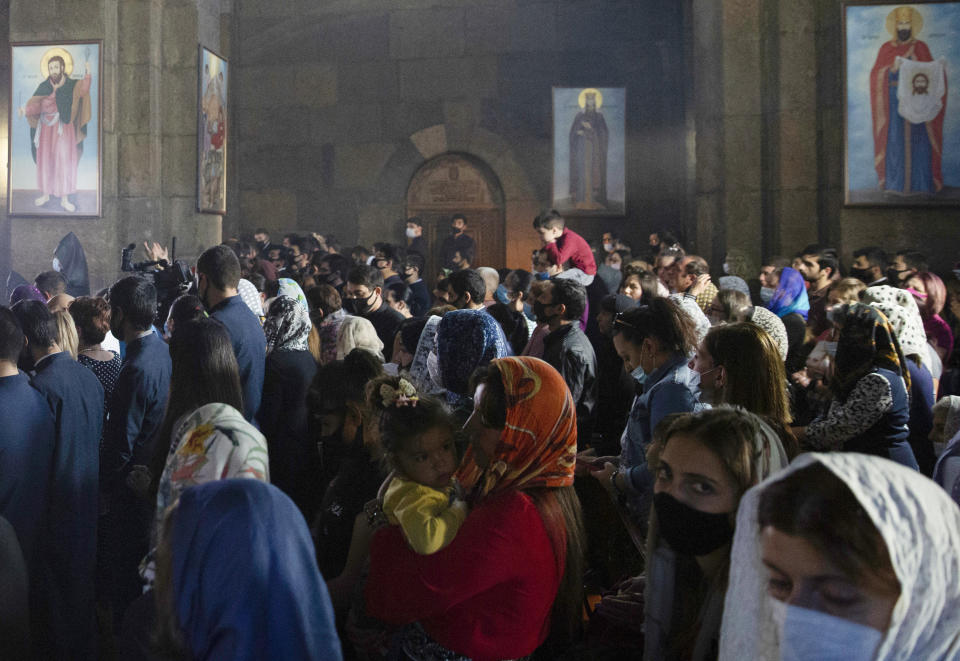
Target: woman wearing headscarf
point(26, 293)
point(946, 435)
point(288, 373)
point(466, 340)
point(238, 580)
point(791, 305)
point(249, 295)
point(844, 556)
point(203, 438)
point(870, 407)
point(704, 463)
point(512, 574)
point(901, 311)
point(358, 333)
point(424, 370)
point(71, 261)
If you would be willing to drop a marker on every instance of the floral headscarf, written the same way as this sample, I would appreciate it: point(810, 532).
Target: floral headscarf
point(538, 445)
point(790, 295)
point(213, 442)
point(291, 289)
point(866, 342)
point(466, 340)
point(900, 309)
point(287, 326)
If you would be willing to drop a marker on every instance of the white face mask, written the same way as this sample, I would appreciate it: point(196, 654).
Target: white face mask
point(808, 634)
point(726, 268)
point(411, 233)
point(766, 293)
point(56, 265)
point(616, 266)
point(608, 247)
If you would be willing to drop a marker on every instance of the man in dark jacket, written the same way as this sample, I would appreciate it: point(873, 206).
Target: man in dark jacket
point(135, 411)
point(561, 303)
point(218, 272)
point(75, 397)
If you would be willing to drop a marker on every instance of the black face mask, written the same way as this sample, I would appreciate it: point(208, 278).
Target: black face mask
point(863, 275)
point(903, 35)
point(689, 531)
point(455, 230)
point(540, 311)
point(357, 306)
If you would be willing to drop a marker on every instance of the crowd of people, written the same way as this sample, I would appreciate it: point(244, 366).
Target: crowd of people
point(313, 453)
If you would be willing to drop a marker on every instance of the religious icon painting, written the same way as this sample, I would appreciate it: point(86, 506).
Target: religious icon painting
point(901, 111)
point(54, 159)
point(212, 133)
point(589, 150)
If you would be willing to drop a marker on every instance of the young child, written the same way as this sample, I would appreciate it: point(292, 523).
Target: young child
point(416, 434)
point(562, 244)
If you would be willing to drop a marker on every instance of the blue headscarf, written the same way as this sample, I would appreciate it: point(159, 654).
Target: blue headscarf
point(466, 340)
point(245, 579)
point(790, 295)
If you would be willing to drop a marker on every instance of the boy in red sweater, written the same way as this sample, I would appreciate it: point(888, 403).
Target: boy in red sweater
point(562, 244)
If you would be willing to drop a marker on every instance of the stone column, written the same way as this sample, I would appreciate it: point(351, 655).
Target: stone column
point(149, 124)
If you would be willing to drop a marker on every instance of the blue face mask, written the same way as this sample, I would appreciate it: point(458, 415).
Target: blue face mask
point(766, 294)
point(639, 375)
point(501, 295)
point(809, 634)
point(541, 275)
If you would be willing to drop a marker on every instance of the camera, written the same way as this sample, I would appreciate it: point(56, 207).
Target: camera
point(171, 280)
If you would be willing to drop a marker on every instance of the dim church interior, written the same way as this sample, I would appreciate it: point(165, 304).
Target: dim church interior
point(345, 115)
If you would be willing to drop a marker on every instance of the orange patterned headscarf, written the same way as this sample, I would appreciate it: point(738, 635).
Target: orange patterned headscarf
point(538, 444)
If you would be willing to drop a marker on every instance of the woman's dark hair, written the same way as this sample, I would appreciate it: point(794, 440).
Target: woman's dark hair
point(186, 308)
point(342, 381)
point(325, 298)
point(648, 283)
point(410, 331)
point(559, 509)
point(756, 377)
point(401, 424)
point(661, 319)
point(204, 371)
point(514, 326)
point(815, 505)
point(91, 316)
point(522, 280)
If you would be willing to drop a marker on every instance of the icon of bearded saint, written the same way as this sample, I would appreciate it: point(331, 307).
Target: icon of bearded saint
point(908, 155)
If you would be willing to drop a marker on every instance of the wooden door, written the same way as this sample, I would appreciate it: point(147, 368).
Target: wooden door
point(452, 184)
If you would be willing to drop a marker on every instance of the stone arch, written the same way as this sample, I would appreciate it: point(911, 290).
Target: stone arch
point(454, 183)
point(520, 200)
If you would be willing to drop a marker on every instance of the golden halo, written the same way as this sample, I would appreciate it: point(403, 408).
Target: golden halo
point(67, 61)
point(916, 21)
point(582, 99)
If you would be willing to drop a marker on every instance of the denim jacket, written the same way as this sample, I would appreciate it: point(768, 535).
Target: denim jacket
point(671, 388)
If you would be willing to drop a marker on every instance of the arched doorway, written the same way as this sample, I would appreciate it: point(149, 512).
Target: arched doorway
point(458, 183)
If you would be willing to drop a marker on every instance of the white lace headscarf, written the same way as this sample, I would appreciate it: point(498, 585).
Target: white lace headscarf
point(899, 306)
point(921, 528)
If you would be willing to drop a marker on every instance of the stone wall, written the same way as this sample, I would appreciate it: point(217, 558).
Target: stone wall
point(339, 103)
point(149, 127)
point(769, 138)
